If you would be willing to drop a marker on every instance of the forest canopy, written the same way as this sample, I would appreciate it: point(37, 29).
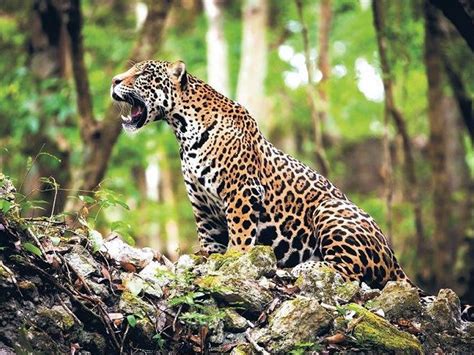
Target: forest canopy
point(376, 95)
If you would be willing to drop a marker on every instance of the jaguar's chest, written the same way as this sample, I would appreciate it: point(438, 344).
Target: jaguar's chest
point(202, 179)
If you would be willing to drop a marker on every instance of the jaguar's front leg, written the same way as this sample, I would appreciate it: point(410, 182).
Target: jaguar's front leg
point(243, 207)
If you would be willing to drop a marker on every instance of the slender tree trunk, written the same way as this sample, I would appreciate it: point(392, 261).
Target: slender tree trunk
point(48, 57)
point(400, 123)
point(450, 174)
point(324, 64)
point(99, 137)
point(312, 96)
point(169, 198)
point(253, 60)
point(217, 55)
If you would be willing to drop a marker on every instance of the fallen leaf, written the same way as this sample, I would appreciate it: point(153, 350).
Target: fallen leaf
point(128, 267)
point(336, 338)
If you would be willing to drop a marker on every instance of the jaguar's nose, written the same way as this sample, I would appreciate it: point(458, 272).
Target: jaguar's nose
point(116, 80)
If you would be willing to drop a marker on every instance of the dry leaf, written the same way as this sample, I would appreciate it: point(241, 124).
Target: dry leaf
point(336, 338)
point(128, 267)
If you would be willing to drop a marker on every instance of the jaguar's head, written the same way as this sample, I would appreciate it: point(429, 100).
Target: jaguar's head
point(151, 88)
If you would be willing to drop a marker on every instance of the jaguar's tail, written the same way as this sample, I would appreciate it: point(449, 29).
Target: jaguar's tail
point(467, 312)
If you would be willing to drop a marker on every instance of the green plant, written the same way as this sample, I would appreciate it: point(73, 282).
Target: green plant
point(303, 348)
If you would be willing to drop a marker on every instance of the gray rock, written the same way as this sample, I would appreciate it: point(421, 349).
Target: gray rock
point(318, 280)
point(120, 251)
point(237, 291)
point(444, 314)
point(81, 261)
point(259, 261)
point(397, 300)
point(298, 320)
point(233, 321)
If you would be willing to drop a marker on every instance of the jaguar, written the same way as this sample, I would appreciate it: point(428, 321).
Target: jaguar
point(246, 192)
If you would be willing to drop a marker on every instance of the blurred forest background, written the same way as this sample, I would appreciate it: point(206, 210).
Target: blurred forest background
point(377, 96)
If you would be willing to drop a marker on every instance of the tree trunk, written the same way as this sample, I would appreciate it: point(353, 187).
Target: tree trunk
point(99, 137)
point(217, 55)
point(320, 153)
point(400, 123)
point(324, 64)
point(450, 173)
point(461, 14)
point(253, 60)
point(48, 57)
point(169, 198)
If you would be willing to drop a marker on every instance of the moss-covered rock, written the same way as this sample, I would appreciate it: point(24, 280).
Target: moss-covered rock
point(376, 333)
point(243, 349)
point(132, 304)
point(259, 261)
point(56, 316)
point(296, 321)
point(444, 314)
point(236, 291)
point(397, 300)
point(233, 321)
point(324, 283)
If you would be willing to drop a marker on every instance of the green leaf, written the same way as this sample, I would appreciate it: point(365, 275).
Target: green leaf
point(96, 239)
point(87, 199)
point(159, 341)
point(132, 320)
point(32, 248)
point(5, 206)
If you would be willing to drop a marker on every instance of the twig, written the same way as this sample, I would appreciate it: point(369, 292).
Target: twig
point(103, 313)
point(123, 338)
point(55, 184)
point(328, 306)
point(66, 308)
point(252, 341)
point(176, 317)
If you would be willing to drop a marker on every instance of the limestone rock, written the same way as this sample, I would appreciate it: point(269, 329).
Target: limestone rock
point(233, 321)
point(397, 300)
point(296, 321)
point(81, 261)
point(259, 261)
point(378, 334)
point(120, 251)
point(237, 291)
point(318, 280)
point(444, 314)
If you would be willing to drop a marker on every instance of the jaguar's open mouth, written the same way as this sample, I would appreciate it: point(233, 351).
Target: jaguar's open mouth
point(138, 111)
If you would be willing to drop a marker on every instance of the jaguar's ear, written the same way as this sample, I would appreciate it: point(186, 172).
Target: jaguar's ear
point(178, 73)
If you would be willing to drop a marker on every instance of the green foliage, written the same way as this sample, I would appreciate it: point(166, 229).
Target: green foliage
point(42, 111)
point(132, 320)
point(160, 342)
point(5, 206)
point(303, 348)
point(32, 248)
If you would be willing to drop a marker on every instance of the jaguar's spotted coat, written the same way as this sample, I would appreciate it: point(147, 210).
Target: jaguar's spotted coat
point(243, 190)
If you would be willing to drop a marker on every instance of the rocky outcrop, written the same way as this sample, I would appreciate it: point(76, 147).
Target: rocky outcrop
point(70, 290)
